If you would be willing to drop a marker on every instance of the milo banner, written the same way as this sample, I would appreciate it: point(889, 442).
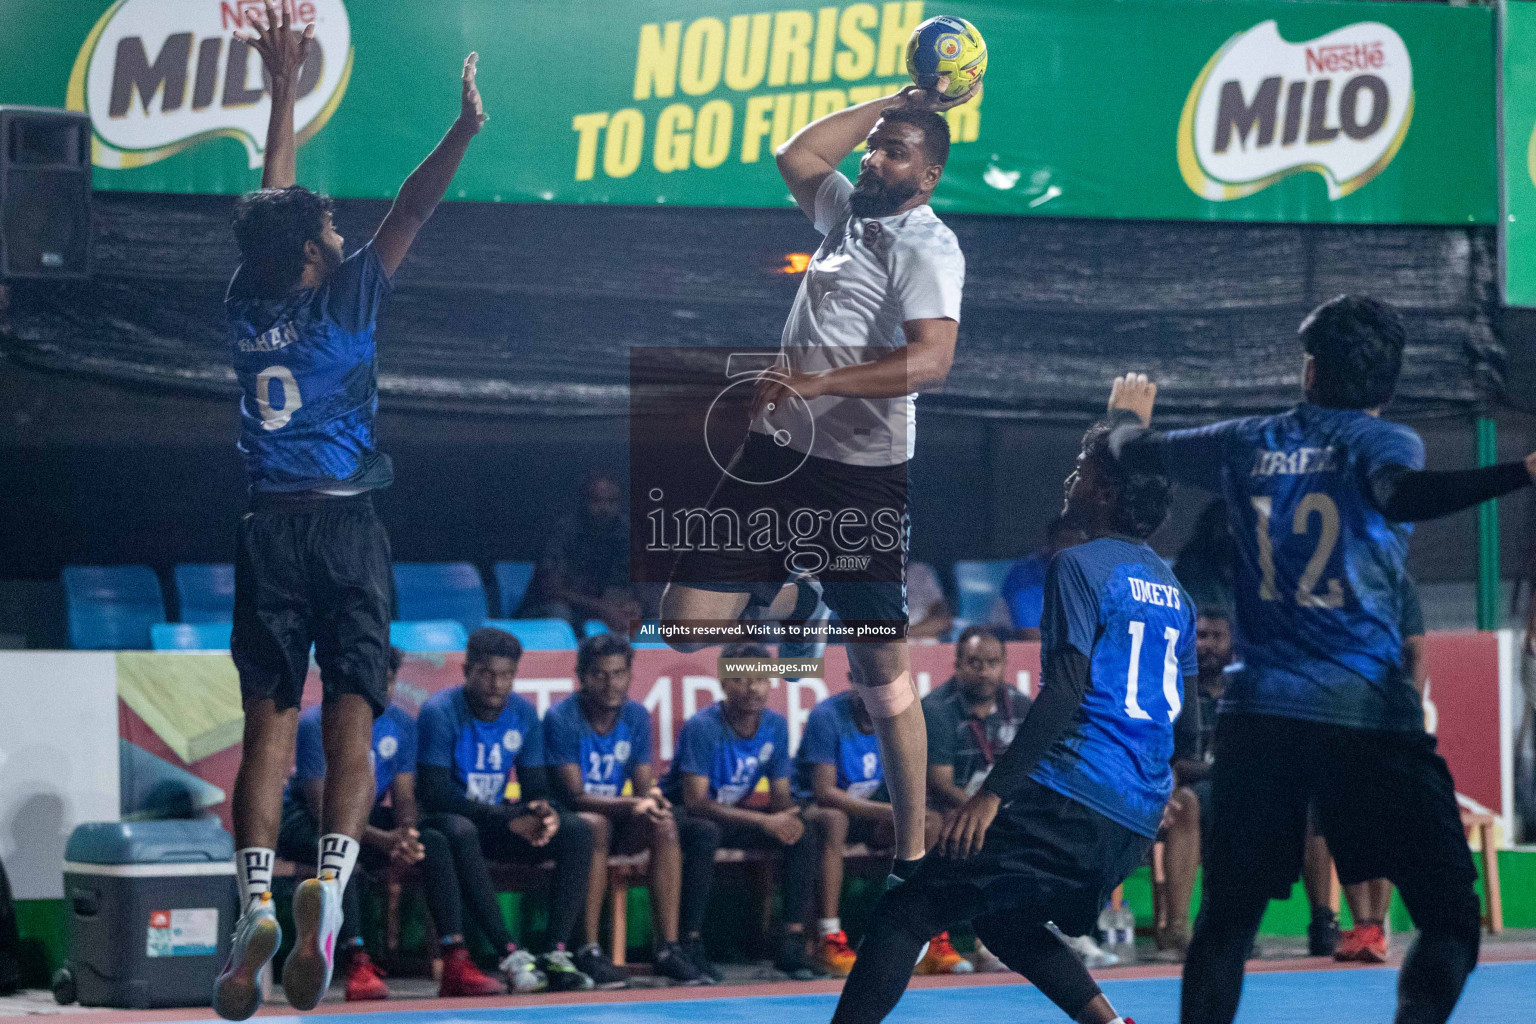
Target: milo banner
point(1346, 112)
point(1519, 39)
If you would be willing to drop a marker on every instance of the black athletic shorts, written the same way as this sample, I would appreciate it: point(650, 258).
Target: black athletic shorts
point(864, 575)
point(1384, 801)
point(312, 570)
point(1046, 858)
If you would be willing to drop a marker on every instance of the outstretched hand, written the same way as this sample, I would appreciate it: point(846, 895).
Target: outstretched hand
point(282, 49)
point(1135, 393)
point(934, 99)
point(966, 830)
point(472, 114)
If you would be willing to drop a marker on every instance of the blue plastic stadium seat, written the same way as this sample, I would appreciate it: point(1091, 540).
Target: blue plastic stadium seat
point(978, 584)
point(190, 636)
point(512, 579)
point(425, 635)
point(111, 607)
point(594, 627)
point(206, 592)
point(440, 590)
point(539, 634)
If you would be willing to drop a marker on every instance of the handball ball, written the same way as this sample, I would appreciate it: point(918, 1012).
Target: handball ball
point(947, 46)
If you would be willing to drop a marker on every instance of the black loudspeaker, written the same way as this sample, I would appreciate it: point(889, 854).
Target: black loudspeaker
point(45, 193)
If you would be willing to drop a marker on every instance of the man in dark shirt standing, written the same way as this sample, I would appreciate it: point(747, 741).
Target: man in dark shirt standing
point(583, 572)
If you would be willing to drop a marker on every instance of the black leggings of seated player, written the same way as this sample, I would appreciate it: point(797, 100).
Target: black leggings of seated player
point(701, 837)
point(570, 849)
point(1387, 806)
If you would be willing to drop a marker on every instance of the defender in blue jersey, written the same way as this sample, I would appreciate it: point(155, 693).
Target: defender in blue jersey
point(312, 563)
point(1317, 499)
point(1073, 805)
point(598, 745)
point(723, 753)
point(476, 740)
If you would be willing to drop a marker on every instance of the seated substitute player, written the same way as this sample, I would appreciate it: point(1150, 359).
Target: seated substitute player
point(1072, 806)
point(722, 753)
point(312, 562)
point(474, 740)
point(1324, 712)
point(598, 744)
point(390, 835)
point(875, 321)
point(837, 769)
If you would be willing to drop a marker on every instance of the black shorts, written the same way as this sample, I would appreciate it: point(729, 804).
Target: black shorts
point(312, 570)
point(1046, 858)
point(862, 568)
point(1384, 801)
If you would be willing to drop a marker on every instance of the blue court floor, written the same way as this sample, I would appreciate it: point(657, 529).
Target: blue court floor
point(1498, 992)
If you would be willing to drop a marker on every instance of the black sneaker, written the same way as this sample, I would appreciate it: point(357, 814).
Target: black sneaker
point(794, 961)
point(671, 962)
point(594, 963)
point(1323, 936)
point(697, 955)
point(562, 973)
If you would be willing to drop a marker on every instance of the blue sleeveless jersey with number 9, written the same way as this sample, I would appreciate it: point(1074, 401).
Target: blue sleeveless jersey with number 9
point(1320, 572)
point(306, 366)
point(1117, 603)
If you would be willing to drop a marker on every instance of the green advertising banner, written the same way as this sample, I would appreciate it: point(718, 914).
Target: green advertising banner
point(1264, 110)
point(1519, 40)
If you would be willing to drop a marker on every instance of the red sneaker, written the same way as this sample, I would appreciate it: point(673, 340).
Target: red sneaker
point(1350, 944)
point(1373, 948)
point(364, 980)
point(462, 978)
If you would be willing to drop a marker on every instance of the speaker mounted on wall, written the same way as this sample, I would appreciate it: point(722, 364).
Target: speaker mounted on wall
point(45, 193)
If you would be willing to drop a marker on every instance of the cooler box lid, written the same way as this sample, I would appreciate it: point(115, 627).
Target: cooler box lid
point(202, 841)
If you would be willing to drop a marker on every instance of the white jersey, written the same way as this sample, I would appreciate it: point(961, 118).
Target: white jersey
point(870, 275)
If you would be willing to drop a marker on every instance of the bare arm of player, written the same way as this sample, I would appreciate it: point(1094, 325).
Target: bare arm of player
point(784, 825)
point(921, 363)
point(942, 788)
point(282, 52)
point(428, 183)
point(814, 151)
point(568, 777)
point(824, 787)
point(402, 796)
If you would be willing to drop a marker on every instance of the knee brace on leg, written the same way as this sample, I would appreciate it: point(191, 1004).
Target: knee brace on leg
point(889, 699)
point(910, 910)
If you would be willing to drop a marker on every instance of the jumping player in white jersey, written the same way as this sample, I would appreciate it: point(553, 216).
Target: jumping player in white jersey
point(874, 322)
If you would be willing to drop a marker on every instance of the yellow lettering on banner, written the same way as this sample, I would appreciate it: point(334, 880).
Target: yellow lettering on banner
point(656, 64)
point(895, 29)
point(746, 55)
point(703, 56)
point(825, 101)
point(672, 138)
point(712, 134)
point(965, 121)
point(626, 139)
point(858, 59)
point(791, 60)
point(754, 126)
point(826, 41)
point(791, 112)
point(588, 126)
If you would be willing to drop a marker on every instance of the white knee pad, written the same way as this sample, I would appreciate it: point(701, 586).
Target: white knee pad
point(888, 699)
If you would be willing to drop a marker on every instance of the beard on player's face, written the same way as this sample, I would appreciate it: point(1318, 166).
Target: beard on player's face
point(874, 196)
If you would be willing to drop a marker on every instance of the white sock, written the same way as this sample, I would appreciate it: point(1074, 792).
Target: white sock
point(253, 869)
point(338, 855)
point(1118, 1020)
point(828, 925)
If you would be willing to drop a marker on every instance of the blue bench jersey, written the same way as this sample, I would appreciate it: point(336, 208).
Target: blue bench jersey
point(708, 746)
point(606, 762)
point(1118, 603)
point(393, 751)
point(832, 736)
point(484, 756)
point(309, 381)
point(1320, 573)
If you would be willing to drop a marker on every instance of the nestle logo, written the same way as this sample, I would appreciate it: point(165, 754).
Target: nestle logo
point(1339, 57)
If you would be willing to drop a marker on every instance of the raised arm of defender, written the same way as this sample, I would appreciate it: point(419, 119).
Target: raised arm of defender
point(282, 52)
point(1400, 494)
